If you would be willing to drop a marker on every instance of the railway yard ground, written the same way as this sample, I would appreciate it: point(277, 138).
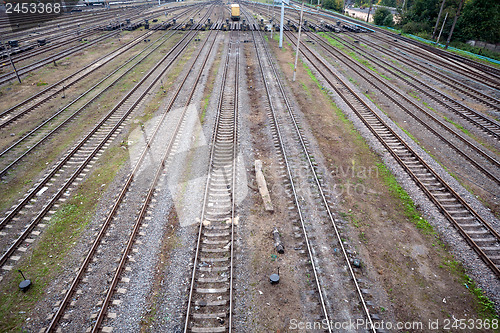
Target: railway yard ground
point(155, 159)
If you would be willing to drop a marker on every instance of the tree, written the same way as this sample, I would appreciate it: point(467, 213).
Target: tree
point(388, 3)
point(336, 5)
point(421, 16)
point(479, 21)
point(388, 21)
point(380, 16)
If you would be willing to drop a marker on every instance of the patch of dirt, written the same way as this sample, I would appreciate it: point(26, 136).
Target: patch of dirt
point(272, 306)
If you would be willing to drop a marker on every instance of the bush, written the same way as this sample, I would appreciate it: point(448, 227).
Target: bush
point(380, 16)
point(415, 27)
point(388, 21)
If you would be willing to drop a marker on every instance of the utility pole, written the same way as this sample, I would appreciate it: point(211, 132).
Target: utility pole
point(281, 24)
point(298, 41)
point(369, 10)
point(441, 31)
point(272, 20)
point(454, 22)
point(439, 18)
point(12, 63)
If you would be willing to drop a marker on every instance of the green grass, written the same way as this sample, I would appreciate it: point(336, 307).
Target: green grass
point(204, 109)
point(311, 75)
point(409, 207)
point(352, 54)
point(332, 41)
point(56, 242)
point(485, 307)
point(409, 134)
point(458, 126)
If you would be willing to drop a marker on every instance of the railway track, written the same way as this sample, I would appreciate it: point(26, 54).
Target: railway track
point(440, 58)
point(324, 268)
point(461, 88)
point(166, 147)
point(17, 111)
point(477, 232)
point(37, 204)
point(29, 68)
point(399, 98)
point(485, 124)
point(210, 300)
point(52, 58)
point(476, 71)
point(40, 134)
point(65, 21)
point(59, 39)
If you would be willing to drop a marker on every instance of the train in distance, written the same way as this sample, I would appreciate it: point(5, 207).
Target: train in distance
point(235, 12)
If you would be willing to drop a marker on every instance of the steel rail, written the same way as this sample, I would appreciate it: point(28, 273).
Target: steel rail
point(92, 66)
point(456, 106)
point(145, 204)
point(456, 68)
point(455, 84)
point(495, 269)
point(217, 124)
point(114, 209)
point(469, 144)
point(76, 112)
point(295, 195)
point(54, 33)
point(322, 194)
point(142, 213)
point(79, 75)
point(75, 174)
point(48, 29)
point(26, 69)
point(435, 51)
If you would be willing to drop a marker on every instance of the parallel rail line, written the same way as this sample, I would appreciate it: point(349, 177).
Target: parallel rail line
point(487, 125)
point(15, 112)
point(319, 185)
point(23, 146)
point(377, 83)
point(210, 299)
point(29, 68)
point(478, 233)
point(447, 80)
point(487, 70)
point(56, 88)
point(40, 63)
point(87, 149)
point(144, 205)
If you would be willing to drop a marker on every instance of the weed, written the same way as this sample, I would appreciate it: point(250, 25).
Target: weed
point(409, 207)
point(55, 243)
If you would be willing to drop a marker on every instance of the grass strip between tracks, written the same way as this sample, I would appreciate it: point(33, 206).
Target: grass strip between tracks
point(43, 265)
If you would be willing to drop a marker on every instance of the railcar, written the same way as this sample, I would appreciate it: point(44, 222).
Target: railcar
point(235, 12)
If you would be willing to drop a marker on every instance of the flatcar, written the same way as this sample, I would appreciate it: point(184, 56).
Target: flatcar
point(235, 12)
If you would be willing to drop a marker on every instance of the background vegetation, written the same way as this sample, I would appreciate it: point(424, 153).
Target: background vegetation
point(478, 19)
